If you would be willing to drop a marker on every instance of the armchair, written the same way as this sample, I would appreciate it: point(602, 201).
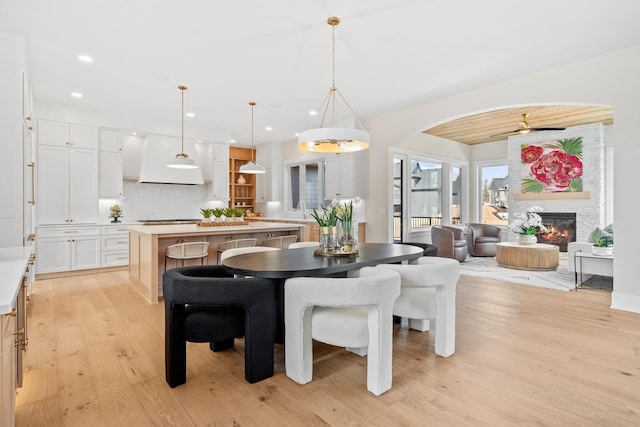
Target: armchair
point(206, 304)
point(482, 239)
point(450, 242)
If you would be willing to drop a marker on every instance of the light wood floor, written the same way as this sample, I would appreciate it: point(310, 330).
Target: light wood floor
point(524, 356)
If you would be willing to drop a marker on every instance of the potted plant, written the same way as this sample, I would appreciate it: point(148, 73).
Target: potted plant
point(526, 225)
point(206, 214)
point(328, 221)
point(602, 240)
point(229, 214)
point(115, 212)
point(218, 212)
point(239, 214)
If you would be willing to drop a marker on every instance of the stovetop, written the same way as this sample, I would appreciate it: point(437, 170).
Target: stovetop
point(168, 221)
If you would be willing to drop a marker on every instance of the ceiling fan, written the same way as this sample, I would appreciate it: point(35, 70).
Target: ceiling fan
point(524, 127)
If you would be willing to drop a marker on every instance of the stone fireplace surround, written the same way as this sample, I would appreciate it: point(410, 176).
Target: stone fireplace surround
point(590, 211)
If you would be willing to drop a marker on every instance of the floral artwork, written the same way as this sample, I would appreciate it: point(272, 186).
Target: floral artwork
point(552, 167)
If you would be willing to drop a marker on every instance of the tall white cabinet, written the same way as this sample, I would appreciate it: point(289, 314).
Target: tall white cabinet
point(16, 139)
point(110, 164)
point(219, 188)
point(67, 173)
point(268, 184)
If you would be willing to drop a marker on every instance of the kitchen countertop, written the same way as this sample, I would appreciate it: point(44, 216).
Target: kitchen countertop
point(304, 220)
point(193, 229)
point(273, 218)
point(13, 263)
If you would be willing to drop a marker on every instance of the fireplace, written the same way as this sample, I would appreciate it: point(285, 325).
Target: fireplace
point(561, 229)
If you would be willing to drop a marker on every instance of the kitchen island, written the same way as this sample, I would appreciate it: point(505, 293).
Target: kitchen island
point(147, 245)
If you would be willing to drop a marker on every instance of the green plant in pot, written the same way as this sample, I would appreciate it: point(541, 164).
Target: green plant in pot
point(602, 240)
point(229, 213)
point(240, 213)
point(217, 212)
point(206, 214)
point(327, 220)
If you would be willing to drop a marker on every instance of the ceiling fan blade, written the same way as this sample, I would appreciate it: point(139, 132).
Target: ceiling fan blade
point(506, 133)
point(543, 129)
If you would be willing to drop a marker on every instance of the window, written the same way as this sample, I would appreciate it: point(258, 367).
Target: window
point(398, 163)
point(494, 194)
point(456, 194)
point(305, 185)
point(426, 194)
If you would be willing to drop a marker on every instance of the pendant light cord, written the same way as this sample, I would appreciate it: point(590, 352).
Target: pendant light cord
point(253, 151)
point(333, 57)
point(182, 89)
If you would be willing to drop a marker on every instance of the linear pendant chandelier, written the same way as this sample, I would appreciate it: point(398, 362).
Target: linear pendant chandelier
point(334, 139)
point(182, 160)
point(251, 166)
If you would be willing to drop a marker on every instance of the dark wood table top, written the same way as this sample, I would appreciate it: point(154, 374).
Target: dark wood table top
point(302, 262)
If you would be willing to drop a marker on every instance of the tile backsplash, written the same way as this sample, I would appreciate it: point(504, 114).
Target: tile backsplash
point(159, 201)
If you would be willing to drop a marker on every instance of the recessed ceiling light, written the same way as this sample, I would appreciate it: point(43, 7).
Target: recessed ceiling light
point(190, 115)
point(85, 58)
point(313, 113)
point(297, 134)
point(76, 94)
point(268, 128)
point(134, 133)
point(233, 141)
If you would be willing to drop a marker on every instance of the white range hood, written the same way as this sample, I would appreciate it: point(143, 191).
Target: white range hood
point(157, 151)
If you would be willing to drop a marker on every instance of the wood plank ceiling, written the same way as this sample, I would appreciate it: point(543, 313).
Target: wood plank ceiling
point(493, 125)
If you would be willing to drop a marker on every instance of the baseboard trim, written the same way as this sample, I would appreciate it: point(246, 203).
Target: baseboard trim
point(58, 274)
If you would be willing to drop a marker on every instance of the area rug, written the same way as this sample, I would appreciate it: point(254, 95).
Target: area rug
point(561, 279)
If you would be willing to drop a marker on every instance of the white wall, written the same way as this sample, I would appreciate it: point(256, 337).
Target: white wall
point(609, 79)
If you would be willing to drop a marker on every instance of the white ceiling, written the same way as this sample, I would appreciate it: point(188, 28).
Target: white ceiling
point(390, 54)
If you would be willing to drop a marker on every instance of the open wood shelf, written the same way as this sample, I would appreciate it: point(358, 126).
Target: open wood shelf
point(241, 195)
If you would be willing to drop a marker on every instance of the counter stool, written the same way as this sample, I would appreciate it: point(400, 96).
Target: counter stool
point(191, 250)
point(238, 243)
point(281, 242)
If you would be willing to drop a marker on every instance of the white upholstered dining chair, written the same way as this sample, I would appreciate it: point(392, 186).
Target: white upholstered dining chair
point(355, 313)
point(428, 298)
point(304, 245)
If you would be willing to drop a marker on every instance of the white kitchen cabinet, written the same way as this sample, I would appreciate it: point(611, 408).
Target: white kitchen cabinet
point(131, 156)
point(11, 190)
point(219, 187)
point(344, 176)
point(268, 184)
point(111, 140)
point(67, 248)
point(110, 180)
point(114, 245)
point(110, 175)
point(264, 181)
point(67, 172)
point(7, 369)
point(15, 130)
point(67, 135)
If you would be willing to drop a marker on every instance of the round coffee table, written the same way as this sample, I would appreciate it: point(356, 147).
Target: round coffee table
point(539, 256)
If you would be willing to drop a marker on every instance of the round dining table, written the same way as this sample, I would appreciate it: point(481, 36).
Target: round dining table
point(303, 262)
